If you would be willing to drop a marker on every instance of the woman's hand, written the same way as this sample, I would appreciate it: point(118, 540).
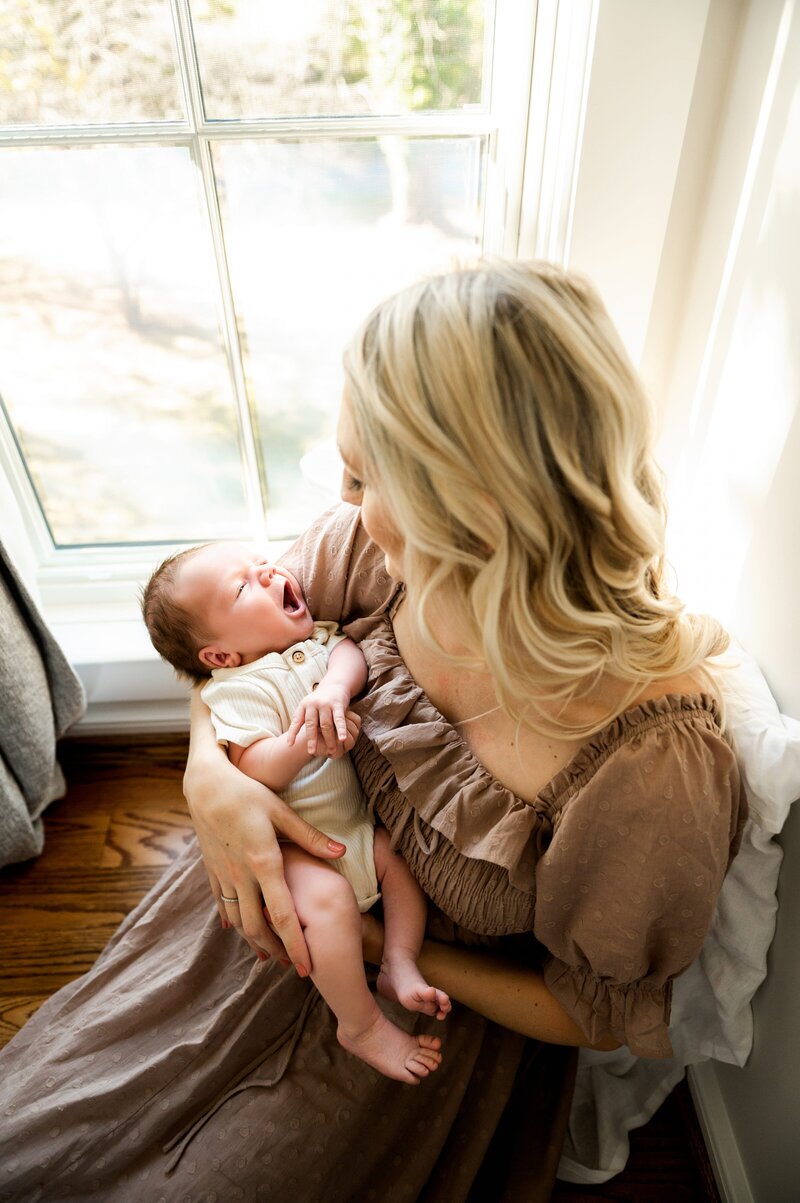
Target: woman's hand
point(237, 821)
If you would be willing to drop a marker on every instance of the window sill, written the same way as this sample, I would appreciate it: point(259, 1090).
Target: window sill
point(128, 687)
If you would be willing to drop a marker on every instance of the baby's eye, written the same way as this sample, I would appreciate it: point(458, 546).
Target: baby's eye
point(241, 587)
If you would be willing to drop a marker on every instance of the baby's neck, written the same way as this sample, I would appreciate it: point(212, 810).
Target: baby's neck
point(268, 651)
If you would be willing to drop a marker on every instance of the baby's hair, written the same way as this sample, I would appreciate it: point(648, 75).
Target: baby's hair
point(174, 632)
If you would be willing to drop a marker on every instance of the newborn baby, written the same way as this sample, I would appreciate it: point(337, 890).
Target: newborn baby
point(221, 611)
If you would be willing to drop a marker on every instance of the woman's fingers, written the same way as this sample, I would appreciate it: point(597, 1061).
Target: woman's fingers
point(285, 932)
point(217, 891)
point(255, 929)
point(296, 829)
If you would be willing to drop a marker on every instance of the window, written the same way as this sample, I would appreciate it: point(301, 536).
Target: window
point(200, 202)
point(201, 199)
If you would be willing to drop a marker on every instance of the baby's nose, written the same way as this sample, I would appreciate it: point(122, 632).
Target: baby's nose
point(265, 573)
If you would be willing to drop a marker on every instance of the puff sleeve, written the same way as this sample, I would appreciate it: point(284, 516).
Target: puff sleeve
point(626, 891)
point(341, 571)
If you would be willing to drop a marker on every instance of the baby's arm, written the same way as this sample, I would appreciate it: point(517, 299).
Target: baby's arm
point(323, 712)
point(271, 760)
point(275, 762)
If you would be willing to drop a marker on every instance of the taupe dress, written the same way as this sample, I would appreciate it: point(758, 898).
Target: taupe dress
point(180, 1068)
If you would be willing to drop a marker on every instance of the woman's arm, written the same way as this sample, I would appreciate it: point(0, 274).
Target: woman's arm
point(237, 821)
point(510, 994)
point(505, 992)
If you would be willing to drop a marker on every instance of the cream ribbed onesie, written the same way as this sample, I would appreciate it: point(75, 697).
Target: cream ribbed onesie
point(258, 700)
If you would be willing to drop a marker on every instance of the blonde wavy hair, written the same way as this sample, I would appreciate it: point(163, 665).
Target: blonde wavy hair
point(512, 442)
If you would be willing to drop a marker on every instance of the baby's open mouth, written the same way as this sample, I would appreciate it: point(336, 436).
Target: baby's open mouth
point(291, 602)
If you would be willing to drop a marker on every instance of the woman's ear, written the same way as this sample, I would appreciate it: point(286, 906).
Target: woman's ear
point(214, 656)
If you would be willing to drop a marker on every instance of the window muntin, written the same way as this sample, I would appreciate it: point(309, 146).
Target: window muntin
point(404, 159)
point(113, 369)
point(316, 233)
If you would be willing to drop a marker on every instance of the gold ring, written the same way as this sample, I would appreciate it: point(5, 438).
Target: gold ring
point(235, 901)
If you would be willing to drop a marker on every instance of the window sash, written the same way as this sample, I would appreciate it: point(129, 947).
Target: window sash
point(548, 44)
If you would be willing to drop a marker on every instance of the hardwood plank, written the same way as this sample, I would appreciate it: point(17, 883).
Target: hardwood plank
point(145, 835)
point(107, 842)
point(14, 1011)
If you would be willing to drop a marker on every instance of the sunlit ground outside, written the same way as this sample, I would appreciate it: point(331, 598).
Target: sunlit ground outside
point(113, 367)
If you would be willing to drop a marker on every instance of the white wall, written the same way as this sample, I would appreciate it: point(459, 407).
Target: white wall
point(715, 324)
point(741, 469)
point(688, 220)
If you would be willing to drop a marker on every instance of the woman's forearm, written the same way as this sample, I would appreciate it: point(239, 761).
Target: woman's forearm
point(507, 993)
point(204, 751)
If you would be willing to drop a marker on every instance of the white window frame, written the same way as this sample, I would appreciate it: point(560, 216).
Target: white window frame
point(537, 72)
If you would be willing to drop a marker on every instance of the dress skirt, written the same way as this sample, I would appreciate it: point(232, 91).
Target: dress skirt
point(180, 1068)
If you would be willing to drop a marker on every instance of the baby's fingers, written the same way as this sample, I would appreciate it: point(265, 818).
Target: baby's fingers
point(295, 725)
point(315, 730)
point(340, 721)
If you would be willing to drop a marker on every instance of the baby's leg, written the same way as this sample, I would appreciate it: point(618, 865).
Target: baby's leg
point(404, 912)
point(328, 912)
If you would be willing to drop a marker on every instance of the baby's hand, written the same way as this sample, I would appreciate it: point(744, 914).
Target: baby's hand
point(353, 722)
point(323, 713)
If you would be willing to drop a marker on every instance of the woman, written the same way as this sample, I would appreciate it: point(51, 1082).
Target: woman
point(540, 738)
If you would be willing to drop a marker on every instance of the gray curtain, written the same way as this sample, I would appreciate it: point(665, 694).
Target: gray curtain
point(40, 697)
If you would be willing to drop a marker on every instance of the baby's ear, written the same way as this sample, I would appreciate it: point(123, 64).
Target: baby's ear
point(214, 656)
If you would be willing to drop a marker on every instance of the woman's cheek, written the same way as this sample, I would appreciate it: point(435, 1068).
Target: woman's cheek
point(382, 532)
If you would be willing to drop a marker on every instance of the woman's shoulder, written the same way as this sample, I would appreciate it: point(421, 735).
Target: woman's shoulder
point(664, 758)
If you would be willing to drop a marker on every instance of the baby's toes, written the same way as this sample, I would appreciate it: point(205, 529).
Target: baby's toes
point(443, 1004)
point(427, 1000)
point(423, 1062)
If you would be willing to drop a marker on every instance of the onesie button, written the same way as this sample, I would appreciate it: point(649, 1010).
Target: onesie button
point(298, 657)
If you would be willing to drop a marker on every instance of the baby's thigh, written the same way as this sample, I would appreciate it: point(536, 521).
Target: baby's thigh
point(318, 890)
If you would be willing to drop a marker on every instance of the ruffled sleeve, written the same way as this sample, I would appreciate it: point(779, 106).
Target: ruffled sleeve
point(341, 571)
point(626, 891)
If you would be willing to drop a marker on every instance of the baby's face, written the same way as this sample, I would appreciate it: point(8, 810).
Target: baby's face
point(248, 606)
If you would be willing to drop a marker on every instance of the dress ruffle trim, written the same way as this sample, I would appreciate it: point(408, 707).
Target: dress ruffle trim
point(635, 1014)
point(451, 790)
point(438, 774)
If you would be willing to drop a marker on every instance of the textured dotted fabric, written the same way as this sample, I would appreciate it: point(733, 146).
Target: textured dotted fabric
point(181, 1069)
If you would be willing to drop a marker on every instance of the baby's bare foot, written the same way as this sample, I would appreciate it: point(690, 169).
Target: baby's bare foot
point(401, 981)
point(394, 1052)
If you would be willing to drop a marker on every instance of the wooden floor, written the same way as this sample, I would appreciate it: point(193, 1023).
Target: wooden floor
point(107, 842)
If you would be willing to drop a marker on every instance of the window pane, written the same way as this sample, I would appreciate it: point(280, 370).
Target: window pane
point(344, 57)
point(87, 62)
point(111, 364)
point(316, 233)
